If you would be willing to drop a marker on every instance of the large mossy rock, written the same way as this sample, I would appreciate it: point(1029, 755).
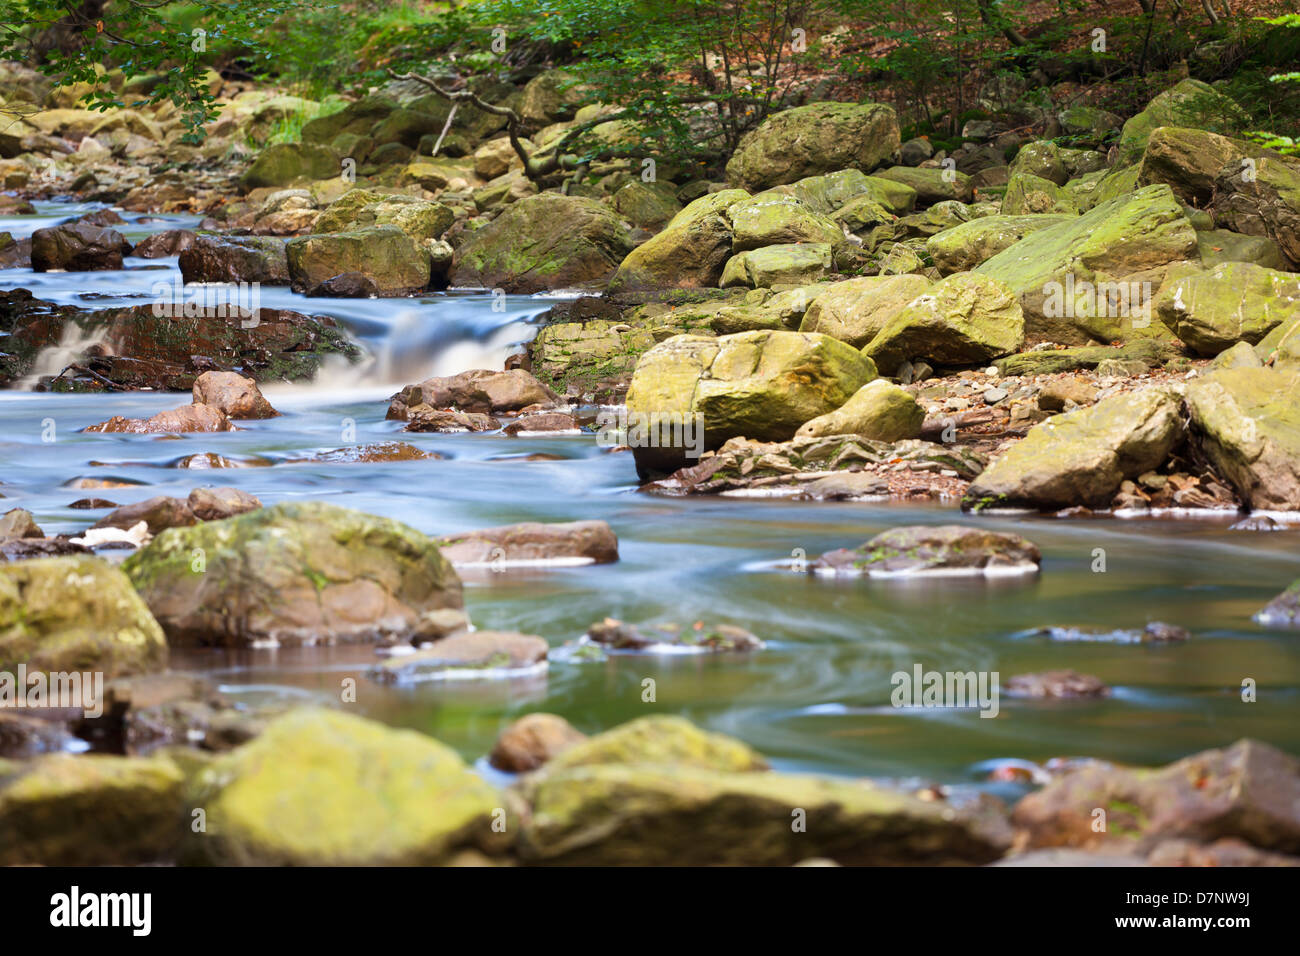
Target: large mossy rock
point(1190, 161)
point(814, 139)
point(655, 814)
point(1247, 422)
point(878, 410)
point(75, 614)
point(357, 119)
point(932, 185)
point(1233, 302)
point(969, 244)
point(787, 264)
point(829, 193)
point(855, 310)
point(322, 788)
point(1218, 246)
point(236, 259)
point(770, 219)
point(1081, 457)
point(690, 252)
point(542, 242)
point(286, 163)
point(962, 320)
point(762, 385)
point(1064, 275)
point(1264, 203)
point(1191, 103)
point(1249, 791)
point(661, 739)
point(394, 262)
point(303, 573)
point(1028, 194)
point(91, 810)
point(418, 218)
point(945, 549)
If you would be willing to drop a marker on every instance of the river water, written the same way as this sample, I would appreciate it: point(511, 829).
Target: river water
point(817, 698)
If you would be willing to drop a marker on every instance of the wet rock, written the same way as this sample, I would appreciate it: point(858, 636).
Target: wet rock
point(962, 320)
point(1249, 791)
point(74, 614)
point(91, 810)
point(531, 741)
point(541, 423)
point(158, 513)
point(689, 252)
point(321, 788)
point(216, 504)
point(235, 259)
point(617, 635)
point(19, 523)
point(1233, 302)
point(664, 741)
point(396, 263)
point(304, 573)
point(1080, 457)
point(23, 736)
point(91, 504)
point(762, 385)
point(492, 653)
point(854, 311)
point(948, 549)
point(547, 241)
point(1157, 632)
point(1245, 422)
point(77, 247)
point(878, 410)
point(232, 394)
point(423, 418)
point(24, 549)
point(372, 452)
point(814, 139)
point(1062, 683)
point(478, 390)
point(1257, 523)
point(348, 285)
point(587, 542)
point(187, 418)
point(160, 245)
point(847, 485)
point(599, 815)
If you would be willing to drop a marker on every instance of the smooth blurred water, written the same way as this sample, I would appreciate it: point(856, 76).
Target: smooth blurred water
point(818, 697)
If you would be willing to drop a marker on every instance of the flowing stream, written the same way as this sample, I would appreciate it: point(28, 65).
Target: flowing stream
point(818, 698)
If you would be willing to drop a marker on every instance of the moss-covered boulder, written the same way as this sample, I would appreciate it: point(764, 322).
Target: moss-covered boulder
point(809, 140)
point(660, 739)
point(1191, 103)
point(1042, 159)
point(75, 614)
point(1218, 246)
point(322, 788)
point(795, 263)
point(547, 241)
point(550, 96)
point(1247, 423)
point(648, 205)
point(963, 319)
point(287, 163)
point(394, 262)
point(1262, 199)
point(829, 193)
point(1028, 194)
point(934, 549)
point(770, 219)
point(855, 310)
point(931, 184)
point(1230, 303)
point(418, 218)
point(91, 810)
point(654, 814)
point(1189, 160)
point(690, 252)
point(1093, 277)
point(1081, 457)
point(761, 385)
point(305, 573)
point(969, 244)
point(878, 410)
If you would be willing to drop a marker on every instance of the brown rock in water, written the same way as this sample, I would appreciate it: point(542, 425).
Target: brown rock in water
point(542, 422)
point(478, 390)
point(424, 418)
point(531, 741)
point(22, 735)
point(214, 504)
point(188, 418)
point(233, 394)
point(162, 244)
point(78, 247)
point(372, 452)
point(90, 504)
point(1250, 791)
point(346, 285)
point(236, 259)
point(934, 548)
point(19, 523)
point(469, 650)
point(533, 541)
point(158, 513)
point(1062, 683)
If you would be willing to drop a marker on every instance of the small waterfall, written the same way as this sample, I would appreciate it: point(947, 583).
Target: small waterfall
point(54, 359)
